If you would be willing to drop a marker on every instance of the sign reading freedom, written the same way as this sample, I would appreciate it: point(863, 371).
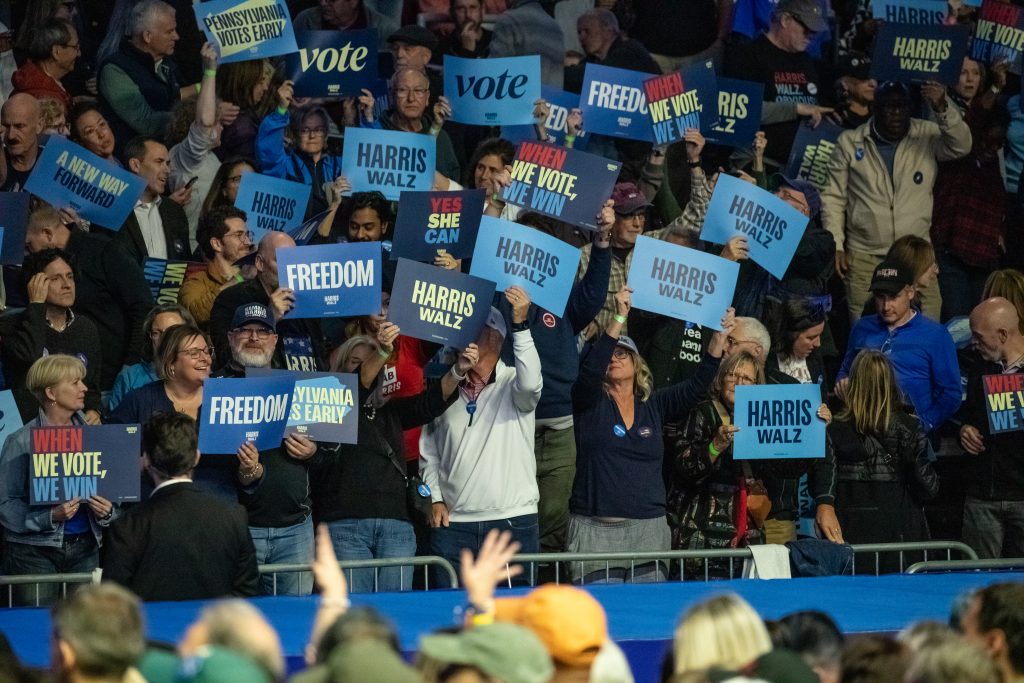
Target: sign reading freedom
point(247, 29)
point(237, 410)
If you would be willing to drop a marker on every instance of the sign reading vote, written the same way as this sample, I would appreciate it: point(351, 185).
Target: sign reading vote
point(324, 405)
point(773, 228)
point(247, 29)
point(67, 175)
point(511, 254)
point(681, 283)
point(333, 63)
point(492, 92)
point(1004, 402)
point(431, 222)
point(914, 53)
point(388, 161)
point(910, 11)
point(739, 112)
point(13, 220)
point(811, 152)
point(165, 277)
point(236, 410)
point(613, 102)
point(84, 461)
point(681, 100)
point(778, 421)
point(999, 34)
point(562, 183)
point(332, 280)
point(561, 103)
point(439, 305)
point(271, 203)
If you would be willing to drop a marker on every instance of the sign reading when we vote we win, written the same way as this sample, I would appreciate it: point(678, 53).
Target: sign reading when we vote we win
point(237, 410)
point(332, 280)
point(778, 421)
point(439, 305)
point(333, 63)
point(999, 35)
point(247, 29)
point(82, 461)
point(324, 407)
point(388, 161)
point(915, 53)
point(492, 92)
point(1004, 402)
point(681, 100)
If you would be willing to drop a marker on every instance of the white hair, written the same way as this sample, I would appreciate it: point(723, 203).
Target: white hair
point(757, 332)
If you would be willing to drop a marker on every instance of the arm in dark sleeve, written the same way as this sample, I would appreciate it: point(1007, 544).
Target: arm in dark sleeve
point(429, 404)
point(247, 578)
point(588, 388)
point(923, 479)
point(132, 292)
point(676, 400)
point(693, 463)
point(27, 342)
point(588, 295)
point(93, 370)
point(119, 554)
point(822, 479)
point(220, 321)
point(945, 383)
point(815, 253)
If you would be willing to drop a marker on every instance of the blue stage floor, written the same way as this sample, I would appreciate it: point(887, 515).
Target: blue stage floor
point(641, 617)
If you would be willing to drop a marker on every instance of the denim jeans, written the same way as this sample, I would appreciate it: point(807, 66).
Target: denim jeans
point(961, 285)
point(285, 545)
point(376, 538)
point(79, 553)
point(448, 541)
point(994, 526)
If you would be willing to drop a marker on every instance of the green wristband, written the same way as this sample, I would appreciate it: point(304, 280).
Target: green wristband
point(621, 319)
point(209, 72)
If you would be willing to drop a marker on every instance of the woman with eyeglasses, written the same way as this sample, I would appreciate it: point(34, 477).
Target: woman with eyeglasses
point(224, 188)
point(159, 319)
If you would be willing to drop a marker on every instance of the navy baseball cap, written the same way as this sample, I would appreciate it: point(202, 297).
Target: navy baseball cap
point(252, 313)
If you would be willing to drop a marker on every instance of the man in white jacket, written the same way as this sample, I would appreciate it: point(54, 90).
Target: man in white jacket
point(478, 457)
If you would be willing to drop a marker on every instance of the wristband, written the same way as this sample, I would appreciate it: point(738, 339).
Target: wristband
point(209, 72)
point(693, 164)
point(199, 87)
point(282, 110)
point(456, 375)
point(712, 450)
point(384, 354)
point(496, 199)
point(621, 319)
point(569, 139)
point(336, 603)
point(238, 278)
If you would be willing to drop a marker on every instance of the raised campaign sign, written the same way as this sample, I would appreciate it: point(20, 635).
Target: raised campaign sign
point(739, 112)
point(613, 102)
point(561, 104)
point(237, 410)
point(324, 407)
point(439, 305)
point(69, 176)
point(165, 277)
point(680, 100)
point(492, 92)
point(332, 280)
point(916, 53)
point(1004, 402)
point(271, 203)
point(333, 63)
point(562, 183)
point(511, 254)
point(431, 222)
point(811, 152)
point(772, 227)
point(81, 461)
point(999, 35)
point(247, 29)
point(388, 161)
point(910, 11)
point(13, 223)
point(681, 283)
point(778, 421)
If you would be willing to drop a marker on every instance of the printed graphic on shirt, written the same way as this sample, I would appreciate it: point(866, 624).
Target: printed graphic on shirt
point(298, 354)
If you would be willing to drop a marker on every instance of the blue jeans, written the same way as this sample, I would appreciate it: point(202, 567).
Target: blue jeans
point(285, 545)
point(375, 538)
point(79, 553)
point(448, 541)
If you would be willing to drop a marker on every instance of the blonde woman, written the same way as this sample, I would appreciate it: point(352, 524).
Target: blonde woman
point(618, 495)
point(723, 632)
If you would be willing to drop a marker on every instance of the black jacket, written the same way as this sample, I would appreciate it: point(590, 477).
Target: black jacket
point(175, 233)
point(997, 473)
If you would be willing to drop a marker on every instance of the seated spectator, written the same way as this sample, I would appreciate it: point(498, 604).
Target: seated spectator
point(53, 51)
point(366, 217)
point(469, 39)
point(236, 625)
point(20, 127)
point(815, 637)
point(245, 85)
point(723, 632)
point(345, 15)
point(53, 118)
point(994, 622)
point(874, 658)
point(48, 539)
point(158, 550)
point(224, 238)
point(952, 661)
point(89, 128)
point(224, 188)
point(160, 318)
point(604, 43)
point(97, 634)
point(413, 46)
point(526, 28)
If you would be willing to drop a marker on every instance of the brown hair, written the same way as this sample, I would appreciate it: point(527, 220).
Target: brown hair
point(917, 253)
point(170, 342)
point(1009, 284)
point(873, 394)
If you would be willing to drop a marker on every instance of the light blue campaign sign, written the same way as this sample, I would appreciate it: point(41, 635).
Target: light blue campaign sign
point(614, 104)
point(739, 112)
point(332, 280)
point(388, 161)
point(492, 92)
point(333, 63)
point(778, 421)
point(236, 410)
point(69, 176)
point(10, 417)
point(510, 254)
point(247, 29)
point(681, 283)
point(772, 227)
point(271, 203)
point(910, 11)
point(562, 103)
point(324, 407)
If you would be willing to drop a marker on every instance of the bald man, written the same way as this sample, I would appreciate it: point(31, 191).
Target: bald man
point(994, 506)
point(300, 342)
point(21, 125)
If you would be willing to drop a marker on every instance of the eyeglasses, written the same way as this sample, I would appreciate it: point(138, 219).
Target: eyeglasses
point(739, 379)
point(260, 333)
point(195, 354)
point(245, 236)
point(619, 353)
point(414, 93)
point(790, 198)
point(77, 47)
point(234, 179)
point(313, 132)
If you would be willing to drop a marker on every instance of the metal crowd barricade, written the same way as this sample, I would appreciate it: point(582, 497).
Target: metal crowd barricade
point(39, 580)
point(1002, 564)
point(403, 563)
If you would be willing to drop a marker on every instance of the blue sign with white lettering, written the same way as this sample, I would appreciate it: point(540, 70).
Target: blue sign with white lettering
point(811, 152)
point(915, 53)
point(247, 29)
point(236, 410)
point(681, 283)
point(562, 103)
point(324, 407)
point(82, 461)
point(271, 203)
point(614, 104)
point(739, 113)
point(772, 227)
point(14, 222)
point(388, 161)
point(492, 92)
point(439, 305)
point(10, 417)
point(511, 254)
point(910, 11)
point(429, 223)
point(333, 63)
point(69, 176)
point(778, 421)
point(332, 280)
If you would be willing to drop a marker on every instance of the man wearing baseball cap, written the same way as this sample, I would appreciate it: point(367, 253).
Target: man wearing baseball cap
point(922, 353)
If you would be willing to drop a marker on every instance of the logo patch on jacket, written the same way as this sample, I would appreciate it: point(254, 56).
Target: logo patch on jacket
point(859, 153)
point(918, 178)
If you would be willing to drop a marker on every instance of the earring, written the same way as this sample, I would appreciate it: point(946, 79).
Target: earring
point(171, 372)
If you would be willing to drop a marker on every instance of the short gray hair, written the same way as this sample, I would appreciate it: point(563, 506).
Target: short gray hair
point(53, 32)
point(143, 14)
point(236, 625)
point(604, 17)
point(756, 332)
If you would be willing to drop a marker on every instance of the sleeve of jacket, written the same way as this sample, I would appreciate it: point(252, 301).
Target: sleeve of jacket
point(132, 292)
point(946, 388)
point(589, 294)
point(588, 389)
point(430, 457)
point(954, 141)
point(120, 552)
point(529, 382)
point(15, 512)
point(270, 149)
point(822, 479)
point(26, 344)
point(815, 253)
point(247, 578)
point(833, 198)
point(429, 404)
point(913, 452)
point(197, 297)
point(675, 401)
point(693, 462)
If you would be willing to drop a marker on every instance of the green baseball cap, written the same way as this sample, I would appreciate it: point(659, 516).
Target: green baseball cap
point(508, 652)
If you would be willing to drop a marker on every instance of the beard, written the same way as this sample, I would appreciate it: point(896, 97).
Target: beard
point(252, 358)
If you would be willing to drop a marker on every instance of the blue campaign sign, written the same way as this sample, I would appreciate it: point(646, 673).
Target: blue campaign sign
point(681, 283)
point(910, 11)
point(811, 152)
point(562, 103)
point(614, 104)
point(999, 34)
point(739, 112)
point(332, 280)
point(431, 222)
point(324, 407)
point(439, 305)
point(247, 29)
point(69, 176)
point(511, 254)
point(492, 92)
point(333, 63)
point(778, 421)
point(915, 53)
point(84, 461)
point(680, 100)
point(773, 228)
point(13, 222)
point(562, 183)
point(388, 161)
point(10, 417)
point(236, 410)
point(271, 203)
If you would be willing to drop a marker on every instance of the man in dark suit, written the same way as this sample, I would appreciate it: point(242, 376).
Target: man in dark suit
point(181, 543)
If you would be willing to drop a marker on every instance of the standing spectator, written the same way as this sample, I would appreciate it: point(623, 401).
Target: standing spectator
point(345, 15)
point(97, 634)
point(246, 85)
point(53, 51)
point(224, 238)
point(856, 90)
point(469, 38)
point(160, 318)
point(224, 188)
point(871, 200)
point(679, 34)
point(89, 128)
point(527, 29)
point(994, 507)
point(994, 622)
point(603, 43)
point(20, 127)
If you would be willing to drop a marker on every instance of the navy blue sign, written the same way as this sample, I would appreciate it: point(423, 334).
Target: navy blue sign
point(613, 103)
point(491, 92)
point(324, 407)
point(739, 113)
point(911, 11)
point(14, 221)
point(84, 461)
point(811, 151)
point(681, 100)
point(10, 416)
point(332, 280)
point(915, 53)
point(562, 103)
point(439, 305)
point(247, 29)
point(431, 222)
point(999, 34)
point(333, 63)
point(236, 410)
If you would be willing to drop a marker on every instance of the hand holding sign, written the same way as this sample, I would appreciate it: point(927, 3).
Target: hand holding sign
point(101, 507)
point(387, 333)
point(718, 344)
point(467, 360)
point(299, 446)
point(723, 438)
point(520, 301)
point(694, 144)
point(935, 95)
